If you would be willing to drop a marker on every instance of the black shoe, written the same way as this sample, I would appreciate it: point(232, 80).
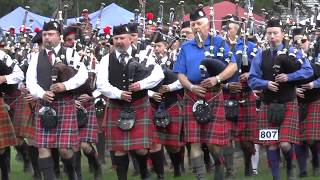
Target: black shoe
point(303, 174)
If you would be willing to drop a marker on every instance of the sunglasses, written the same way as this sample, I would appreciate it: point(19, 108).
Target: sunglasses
point(302, 41)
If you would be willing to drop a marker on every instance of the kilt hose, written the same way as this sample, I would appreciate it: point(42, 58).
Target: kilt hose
point(171, 135)
point(214, 132)
point(245, 128)
point(288, 130)
point(89, 132)
point(310, 127)
point(66, 134)
point(141, 136)
point(7, 133)
point(22, 116)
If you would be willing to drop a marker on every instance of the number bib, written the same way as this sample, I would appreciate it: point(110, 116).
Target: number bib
point(268, 134)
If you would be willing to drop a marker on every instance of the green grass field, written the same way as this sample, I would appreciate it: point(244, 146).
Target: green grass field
point(109, 174)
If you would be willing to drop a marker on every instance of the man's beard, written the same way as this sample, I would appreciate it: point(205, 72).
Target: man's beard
point(49, 45)
point(120, 49)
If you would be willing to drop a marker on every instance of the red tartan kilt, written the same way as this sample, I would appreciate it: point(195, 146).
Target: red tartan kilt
point(172, 135)
point(22, 118)
point(89, 132)
point(216, 132)
point(66, 134)
point(310, 127)
point(7, 134)
point(246, 127)
point(141, 136)
point(289, 129)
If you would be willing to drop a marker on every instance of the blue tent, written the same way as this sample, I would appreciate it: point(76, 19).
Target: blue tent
point(15, 19)
point(112, 15)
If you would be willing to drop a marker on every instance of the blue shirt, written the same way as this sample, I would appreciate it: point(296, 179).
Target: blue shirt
point(239, 46)
point(316, 82)
point(191, 55)
point(256, 81)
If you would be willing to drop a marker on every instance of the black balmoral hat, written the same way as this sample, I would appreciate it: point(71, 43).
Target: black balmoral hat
point(185, 24)
point(37, 38)
point(160, 38)
point(52, 25)
point(274, 22)
point(298, 31)
point(133, 27)
point(121, 29)
point(197, 14)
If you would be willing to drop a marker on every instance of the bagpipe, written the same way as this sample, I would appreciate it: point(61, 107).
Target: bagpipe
point(211, 65)
point(63, 72)
point(6, 70)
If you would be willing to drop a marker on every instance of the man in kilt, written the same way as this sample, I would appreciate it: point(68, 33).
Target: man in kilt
point(215, 132)
point(309, 103)
point(236, 90)
point(167, 98)
point(7, 133)
point(85, 103)
point(63, 135)
point(129, 125)
point(278, 119)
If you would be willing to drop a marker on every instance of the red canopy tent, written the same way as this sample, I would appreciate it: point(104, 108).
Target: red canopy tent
point(222, 9)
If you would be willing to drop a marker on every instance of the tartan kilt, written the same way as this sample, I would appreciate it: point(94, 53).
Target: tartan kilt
point(7, 133)
point(66, 134)
point(246, 126)
point(288, 130)
point(141, 136)
point(89, 132)
point(22, 117)
point(172, 135)
point(215, 132)
point(310, 127)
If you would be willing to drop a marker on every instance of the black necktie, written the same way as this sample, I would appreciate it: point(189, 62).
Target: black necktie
point(122, 58)
point(274, 53)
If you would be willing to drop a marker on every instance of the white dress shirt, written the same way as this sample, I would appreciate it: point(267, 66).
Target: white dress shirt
point(17, 75)
point(110, 91)
point(173, 86)
point(73, 83)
